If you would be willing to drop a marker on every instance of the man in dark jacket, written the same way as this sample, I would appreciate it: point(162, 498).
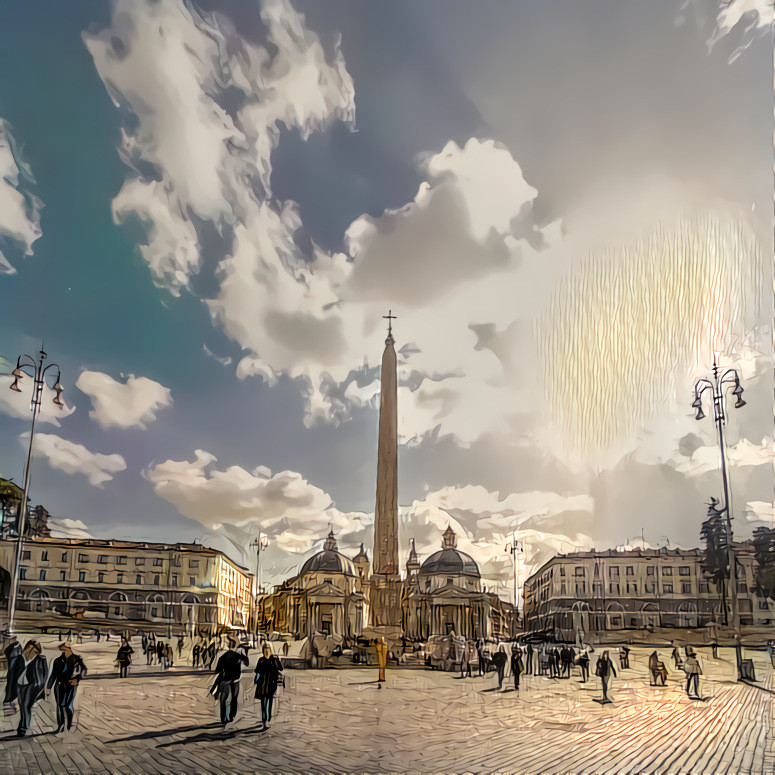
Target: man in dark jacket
point(604, 669)
point(268, 669)
point(517, 668)
point(228, 672)
point(11, 651)
point(529, 659)
point(67, 671)
point(28, 675)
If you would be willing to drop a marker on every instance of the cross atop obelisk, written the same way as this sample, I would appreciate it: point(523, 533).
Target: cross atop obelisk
point(390, 317)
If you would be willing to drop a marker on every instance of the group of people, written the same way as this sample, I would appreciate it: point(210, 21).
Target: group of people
point(156, 651)
point(267, 677)
point(203, 653)
point(29, 679)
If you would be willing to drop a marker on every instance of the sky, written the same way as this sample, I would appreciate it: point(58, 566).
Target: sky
point(207, 207)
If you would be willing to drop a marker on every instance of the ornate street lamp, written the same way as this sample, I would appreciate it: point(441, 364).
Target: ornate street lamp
point(27, 366)
point(718, 387)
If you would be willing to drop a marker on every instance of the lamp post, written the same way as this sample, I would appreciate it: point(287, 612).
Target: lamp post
point(260, 542)
point(514, 547)
point(717, 388)
point(38, 372)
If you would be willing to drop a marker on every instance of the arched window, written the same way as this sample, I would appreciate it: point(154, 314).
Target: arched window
point(39, 600)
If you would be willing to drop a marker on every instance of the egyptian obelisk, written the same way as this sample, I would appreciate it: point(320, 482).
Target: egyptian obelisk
point(385, 598)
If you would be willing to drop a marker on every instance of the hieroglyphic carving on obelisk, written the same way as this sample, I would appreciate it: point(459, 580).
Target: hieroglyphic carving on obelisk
point(386, 583)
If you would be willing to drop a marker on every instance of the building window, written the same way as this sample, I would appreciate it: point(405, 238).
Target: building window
point(667, 588)
point(649, 587)
point(156, 579)
point(192, 581)
point(22, 573)
point(81, 575)
point(613, 589)
point(117, 611)
point(120, 578)
point(597, 589)
point(102, 559)
point(154, 612)
point(579, 571)
point(157, 560)
point(630, 570)
point(100, 578)
point(176, 561)
point(562, 570)
point(26, 554)
point(64, 556)
point(42, 575)
point(613, 571)
point(139, 560)
point(63, 575)
point(44, 556)
point(562, 587)
point(684, 570)
point(174, 581)
point(741, 588)
point(139, 579)
point(121, 560)
point(650, 570)
point(581, 588)
point(82, 558)
point(704, 588)
point(686, 587)
point(632, 588)
point(667, 571)
point(193, 563)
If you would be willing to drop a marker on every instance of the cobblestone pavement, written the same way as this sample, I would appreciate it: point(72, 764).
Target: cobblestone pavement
point(340, 720)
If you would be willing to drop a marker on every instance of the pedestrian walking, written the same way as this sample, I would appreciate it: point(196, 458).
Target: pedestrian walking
point(517, 668)
point(195, 655)
point(499, 661)
point(480, 654)
point(677, 657)
point(624, 658)
point(160, 652)
point(11, 651)
point(211, 652)
point(583, 662)
point(286, 648)
point(382, 655)
point(67, 671)
point(693, 672)
point(528, 659)
point(226, 684)
point(27, 674)
point(566, 660)
point(604, 669)
point(168, 656)
point(124, 658)
point(268, 676)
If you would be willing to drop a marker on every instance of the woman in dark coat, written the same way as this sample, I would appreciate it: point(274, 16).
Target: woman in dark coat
point(268, 669)
point(499, 661)
point(517, 668)
point(124, 658)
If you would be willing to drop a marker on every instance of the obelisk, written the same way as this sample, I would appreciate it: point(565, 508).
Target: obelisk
point(385, 602)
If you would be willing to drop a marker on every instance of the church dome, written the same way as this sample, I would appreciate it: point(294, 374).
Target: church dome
point(329, 560)
point(449, 560)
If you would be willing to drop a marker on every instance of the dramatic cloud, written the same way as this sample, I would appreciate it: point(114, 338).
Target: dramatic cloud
point(751, 17)
point(68, 528)
point(19, 210)
point(208, 108)
point(744, 453)
point(293, 512)
point(123, 405)
point(76, 459)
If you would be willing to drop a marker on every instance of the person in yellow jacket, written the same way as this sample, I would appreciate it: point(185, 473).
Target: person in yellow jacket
point(382, 655)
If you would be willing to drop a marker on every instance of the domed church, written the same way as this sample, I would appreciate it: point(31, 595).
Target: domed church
point(325, 597)
point(444, 595)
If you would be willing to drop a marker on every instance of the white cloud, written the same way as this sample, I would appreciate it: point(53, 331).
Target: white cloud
point(293, 512)
point(174, 69)
point(744, 453)
point(19, 210)
point(752, 17)
point(76, 459)
point(760, 511)
point(123, 405)
point(68, 528)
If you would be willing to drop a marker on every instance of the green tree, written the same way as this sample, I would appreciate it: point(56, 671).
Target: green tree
point(715, 561)
point(764, 551)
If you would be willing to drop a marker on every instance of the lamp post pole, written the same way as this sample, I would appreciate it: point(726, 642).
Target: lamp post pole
point(260, 542)
point(38, 373)
point(514, 547)
point(717, 387)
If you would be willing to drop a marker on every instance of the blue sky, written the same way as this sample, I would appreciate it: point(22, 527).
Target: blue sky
point(228, 209)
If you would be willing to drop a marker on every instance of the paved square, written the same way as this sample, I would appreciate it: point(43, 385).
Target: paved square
point(340, 720)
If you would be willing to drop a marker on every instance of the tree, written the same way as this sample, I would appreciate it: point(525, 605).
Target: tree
point(715, 562)
point(764, 551)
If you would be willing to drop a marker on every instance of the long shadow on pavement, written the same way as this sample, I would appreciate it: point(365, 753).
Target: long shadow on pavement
point(206, 737)
point(163, 732)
